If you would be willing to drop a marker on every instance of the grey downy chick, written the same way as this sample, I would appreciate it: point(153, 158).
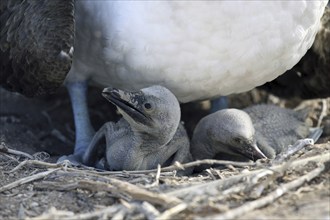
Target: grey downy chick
point(150, 132)
point(260, 131)
point(277, 128)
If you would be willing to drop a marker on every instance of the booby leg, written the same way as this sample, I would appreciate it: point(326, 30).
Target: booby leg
point(84, 130)
point(219, 104)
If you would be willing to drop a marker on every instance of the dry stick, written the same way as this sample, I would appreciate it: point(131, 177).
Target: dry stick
point(6, 150)
point(119, 186)
point(11, 158)
point(135, 193)
point(148, 210)
point(169, 214)
point(156, 182)
point(164, 169)
point(120, 215)
point(223, 183)
point(27, 180)
point(66, 215)
point(59, 214)
point(290, 150)
point(323, 112)
point(43, 164)
point(271, 197)
point(53, 213)
point(300, 144)
point(192, 164)
point(108, 211)
point(138, 193)
point(35, 162)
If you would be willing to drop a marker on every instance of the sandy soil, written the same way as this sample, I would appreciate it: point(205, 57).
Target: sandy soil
point(46, 125)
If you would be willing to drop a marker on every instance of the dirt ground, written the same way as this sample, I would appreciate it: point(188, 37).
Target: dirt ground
point(44, 128)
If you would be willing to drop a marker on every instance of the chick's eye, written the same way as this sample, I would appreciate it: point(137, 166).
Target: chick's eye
point(237, 140)
point(147, 106)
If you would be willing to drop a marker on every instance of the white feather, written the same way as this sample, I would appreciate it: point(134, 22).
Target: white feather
point(197, 49)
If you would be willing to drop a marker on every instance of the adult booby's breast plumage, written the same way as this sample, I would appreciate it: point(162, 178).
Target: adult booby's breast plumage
point(198, 49)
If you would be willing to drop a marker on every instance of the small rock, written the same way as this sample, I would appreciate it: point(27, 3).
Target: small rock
point(15, 191)
point(34, 204)
point(100, 194)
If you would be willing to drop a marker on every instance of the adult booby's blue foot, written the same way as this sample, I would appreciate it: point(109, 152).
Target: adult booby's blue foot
point(84, 130)
point(150, 132)
point(219, 104)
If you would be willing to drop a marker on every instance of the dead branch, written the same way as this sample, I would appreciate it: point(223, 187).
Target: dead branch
point(138, 193)
point(53, 213)
point(164, 169)
point(37, 163)
point(106, 212)
point(27, 180)
point(271, 197)
point(290, 150)
point(156, 182)
point(118, 186)
point(170, 213)
point(194, 164)
point(148, 210)
point(223, 184)
point(6, 150)
point(323, 112)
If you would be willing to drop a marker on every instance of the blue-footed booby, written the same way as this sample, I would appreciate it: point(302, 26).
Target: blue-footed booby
point(197, 49)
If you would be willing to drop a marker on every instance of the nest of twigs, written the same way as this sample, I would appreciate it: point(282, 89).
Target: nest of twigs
point(36, 189)
point(224, 193)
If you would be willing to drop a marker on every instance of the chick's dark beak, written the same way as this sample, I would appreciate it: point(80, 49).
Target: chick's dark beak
point(255, 152)
point(129, 102)
point(251, 151)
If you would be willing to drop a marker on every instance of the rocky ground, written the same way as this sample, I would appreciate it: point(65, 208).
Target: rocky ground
point(39, 189)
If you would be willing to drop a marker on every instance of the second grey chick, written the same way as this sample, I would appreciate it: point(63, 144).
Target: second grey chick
point(277, 128)
point(256, 132)
point(150, 132)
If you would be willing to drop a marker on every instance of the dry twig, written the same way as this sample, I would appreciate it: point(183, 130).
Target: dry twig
point(222, 184)
point(148, 210)
point(35, 162)
point(271, 197)
point(170, 213)
point(323, 112)
point(292, 149)
point(6, 150)
point(26, 180)
point(118, 186)
point(164, 169)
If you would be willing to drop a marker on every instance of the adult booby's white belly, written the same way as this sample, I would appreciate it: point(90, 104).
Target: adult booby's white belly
point(197, 49)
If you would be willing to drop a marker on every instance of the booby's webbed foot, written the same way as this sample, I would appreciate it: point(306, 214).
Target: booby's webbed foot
point(75, 160)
